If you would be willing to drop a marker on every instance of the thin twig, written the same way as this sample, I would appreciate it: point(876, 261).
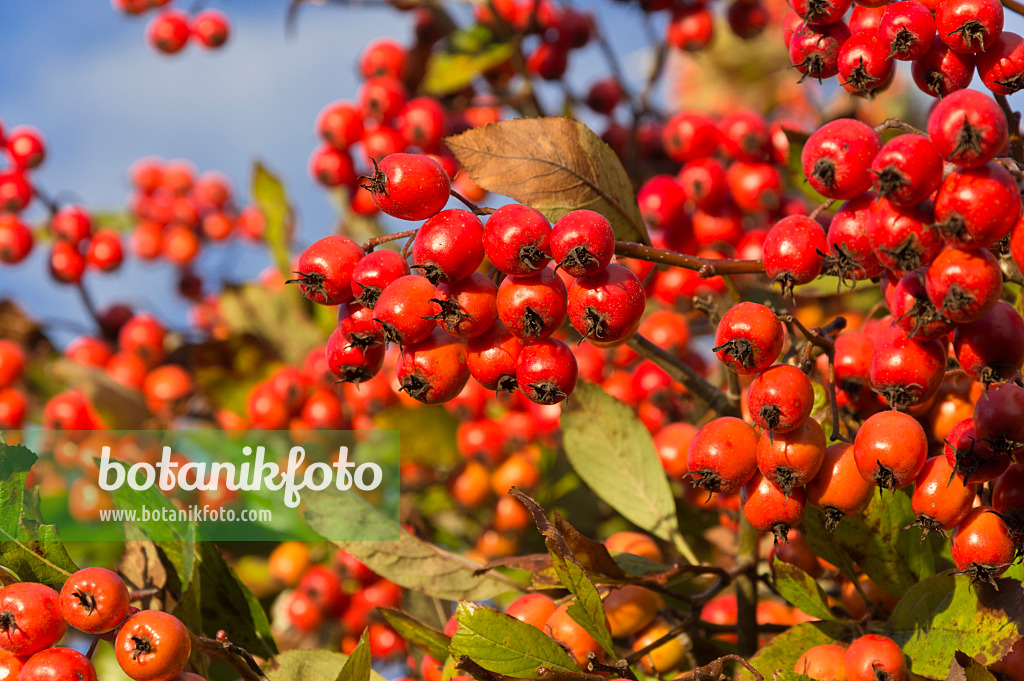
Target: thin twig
point(1014, 6)
point(705, 267)
point(822, 337)
point(680, 371)
point(477, 210)
point(746, 588)
point(897, 124)
point(240, 659)
point(371, 244)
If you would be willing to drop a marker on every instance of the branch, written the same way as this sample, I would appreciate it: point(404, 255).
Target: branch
point(1013, 122)
point(1014, 6)
point(822, 337)
point(682, 372)
point(746, 589)
point(706, 267)
point(897, 124)
point(477, 210)
point(712, 671)
point(371, 244)
point(240, 659)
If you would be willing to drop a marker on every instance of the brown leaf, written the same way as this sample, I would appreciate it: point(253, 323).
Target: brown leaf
point(556, 165)
point(121, 408)
point(592, 555)
point(535, 562)
point(142, 568)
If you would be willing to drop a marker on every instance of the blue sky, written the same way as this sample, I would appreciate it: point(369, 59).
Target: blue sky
point(85, 76)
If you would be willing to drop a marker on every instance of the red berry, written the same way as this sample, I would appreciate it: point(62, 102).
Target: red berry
point(964, 284)
point(906, 371)
point(794, 251)
point(941, 498)
point(332, 167)
point(992, 348)
point(340, 124)
point(690, 135)
point(16, 239)
point(169, 31)
point(968, 128)
point(977, 207)
point(404, 310)
point(791, 460)
point(517, 240)
point(890, 449)
point(780, 398)
point(467, 308)
point(449, 246)
point(838, 488)
point(814, 50)
point(691, 28)
point(67, 264)
point(908, 168)
point(25, 147)
point(749, 338)
point(533, 307)
point(582, 243)
point(837, 158)
point(30, 618)
point(325, 270)
point(1001, 67)
point(374, 272)
point(492, 358)
point(211, 28)
point(382, 57)
point(865, 65)
point(850, 255)
point(94, 600)
point(153, 646)
point(982, 545)
point(969, 26)
point(870, 657)
point(902, 236)
point(351, 362)
point(434, 370)
point(58, 663)
point(607, 306)
point(410, 186)
point(546, 371)
point(907, 29)
point(768, 509)
point(942, 71)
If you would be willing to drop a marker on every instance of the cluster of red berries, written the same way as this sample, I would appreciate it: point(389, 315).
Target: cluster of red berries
point(24, 150)
point(178, 209)
point(170, 30)
point(868, 658)
point(945, 41)
point(150, 645)
point(452, 321)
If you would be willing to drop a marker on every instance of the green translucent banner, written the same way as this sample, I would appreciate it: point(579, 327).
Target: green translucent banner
point(202, 484)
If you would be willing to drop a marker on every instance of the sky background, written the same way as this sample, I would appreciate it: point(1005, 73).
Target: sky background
point(83, 74)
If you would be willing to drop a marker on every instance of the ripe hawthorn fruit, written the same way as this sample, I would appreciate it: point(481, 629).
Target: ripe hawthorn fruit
point(722, 456)
point(409, 186)
point(865, 65)
point(373, 272)
point(492, 357)
point(838, 489)
point(964, 284)
point(874, 657)
point(606, 307)
point(57, 663)
point(30, 618)
point(890, 449)
point(977, 207)
point(769, 509)
point(991, 349)
point(152, 646)
point(850, 254)
point(794, 251)
point(533, 307)
point(942, 71)
point(546, 371)
point(982, 545)
point(908, 168)
point(942, 497)
point(434, 370)
point(791, 460)
point(967, 127)
point(827, 661)
point(907, 28)
point(325, 270)
point(449, 246)
point(780, 399)
point(969, 26)
point(352, 362)
point(517, 240)
point(468, 307)
point(997, 418)
point(582, 243)
point(404, 310)
point(748, 338)
point(1001, 67)
point(837, 158)
point(94, 600)
point(902, 237)
point(814, 50)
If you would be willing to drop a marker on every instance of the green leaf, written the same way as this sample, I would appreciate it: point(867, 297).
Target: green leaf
point(308, 665)
point(269, 194)
point(966, 668)
point(357, 666)
point(782, 653)
point(586, 610)
point(797, 140)
point(790, 676)
point(801, 590)
point(277, 317)
point(892, 557)
point(945, 613)
point(31, 551)
point(502, 644)
point(430, 641)
point(618, 460)
point(470, 53)
point(409, 562)
point(556, 165)
point(427, 433)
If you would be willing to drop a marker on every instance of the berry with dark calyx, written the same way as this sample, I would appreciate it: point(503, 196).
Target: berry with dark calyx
point(57, 663)
point(1001, 67)
point(374, 272)
point(941, 498)
point(794, 251)
point(94, 600)
point(768, 509)
point(814, 51)
point(906, 371)
point(780, 399)
point(169, 31)
point(964, 284)
point(517, 240)
point(704, 182)
point(838, 489)
point(907, 28)
point(997, 418)
point(152, 646)
point(755, 186)
point(902, 237)
point(434, 370)
point(890, 449)
point(837, 158)
point(606, 307)
point(67, 264)
point(382, 99)
point(791, 460)
point(325, 268)
point(467, 308)
point(818, 12)
point(16, 239)
point(942, 71)
point(983, 547)
point(582, 243)
point(914, 313)
point(749, 338)
point(382, 57)
point(15, 190)
point(25, 147)
point(853, 359)
point(353, 363)
point(405, 309)
point(972, 457)
point(865, 67)
point(546, 371)
point(449, 246)
point(908, 169)
point(533, 307)
point(409, 186)
point(722, 456)
point(967, 128)
point(357, 326)
point(977, 207)
point(875, 658)
point(211, 28)
point(30, 618)
point(492, 357)
point(421, 123)
point(340, 124)
point(745, 136)
point(850, 255)
point(1008, 499)
point(991, 349)
point(969, 26)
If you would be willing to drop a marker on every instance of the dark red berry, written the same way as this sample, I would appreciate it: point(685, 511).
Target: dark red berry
point(942, 71)
point(967, 128)
point(582, 243)
point(972, 457)
point(449, 246)
point(517, 240)
point(914, 313)
point(533, 307)
point(434, 370)
point(404, 311)
point(409, 186)
point(492, 358)
point(906, 371)
point(325, 270)
point(546, 371)
point(837, 158)
point(991, 349)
